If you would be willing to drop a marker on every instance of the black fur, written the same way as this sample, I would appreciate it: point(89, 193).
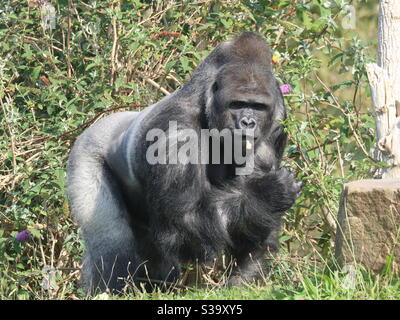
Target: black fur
point(179, 213)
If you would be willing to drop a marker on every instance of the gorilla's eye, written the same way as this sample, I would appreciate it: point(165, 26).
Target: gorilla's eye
point(258, 106)
point(243, 104)
point(238, 105)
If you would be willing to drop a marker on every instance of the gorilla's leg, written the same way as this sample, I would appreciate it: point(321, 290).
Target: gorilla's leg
point(97, 206)
point(159, 271)
point(247, 267)
point(249, 264)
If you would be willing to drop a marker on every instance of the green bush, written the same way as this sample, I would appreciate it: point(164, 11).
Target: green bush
point(108, 56)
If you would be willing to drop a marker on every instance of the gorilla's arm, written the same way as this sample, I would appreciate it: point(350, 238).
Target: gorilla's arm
point(252, 203)
point(192, 219)
point(253, 210)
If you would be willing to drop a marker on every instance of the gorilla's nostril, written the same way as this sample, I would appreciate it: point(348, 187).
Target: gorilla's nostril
point(247, 123)
point(251, 124)
point(244, 122)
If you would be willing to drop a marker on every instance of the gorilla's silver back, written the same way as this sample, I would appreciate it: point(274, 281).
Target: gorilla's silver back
point(90, 189)
point(88, 156)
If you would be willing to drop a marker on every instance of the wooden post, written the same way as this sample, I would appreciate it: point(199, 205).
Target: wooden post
point(384, 79)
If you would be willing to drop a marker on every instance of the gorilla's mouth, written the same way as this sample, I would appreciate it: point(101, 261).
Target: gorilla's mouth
point(243, 146)
point(245, 135)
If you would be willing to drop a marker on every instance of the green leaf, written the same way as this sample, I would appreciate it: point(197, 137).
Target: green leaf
point(35, 73)
point(90, 66)
point(185, 63)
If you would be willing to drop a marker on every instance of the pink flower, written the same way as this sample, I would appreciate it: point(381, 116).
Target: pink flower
point(285, 89)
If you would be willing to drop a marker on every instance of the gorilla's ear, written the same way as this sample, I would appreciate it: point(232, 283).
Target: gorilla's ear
point(280, 142)
point(210, 92)
point(278, 136)
point(214, 87)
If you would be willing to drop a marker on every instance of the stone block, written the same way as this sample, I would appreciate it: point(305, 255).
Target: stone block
point(368, 228)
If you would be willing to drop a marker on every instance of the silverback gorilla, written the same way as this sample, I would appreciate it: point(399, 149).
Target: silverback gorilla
point(143, 220)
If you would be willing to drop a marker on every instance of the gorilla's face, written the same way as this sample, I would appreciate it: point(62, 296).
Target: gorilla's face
point(243, 97)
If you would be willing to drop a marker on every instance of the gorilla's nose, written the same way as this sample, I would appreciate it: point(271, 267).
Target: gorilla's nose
point(247, 123)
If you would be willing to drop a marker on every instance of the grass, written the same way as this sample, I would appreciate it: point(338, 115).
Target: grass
point(329, 285)
point(287, 277)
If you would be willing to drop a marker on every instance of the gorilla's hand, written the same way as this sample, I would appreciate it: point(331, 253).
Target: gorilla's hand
point(292, 187)
point(285, 188)
point(278, 188)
